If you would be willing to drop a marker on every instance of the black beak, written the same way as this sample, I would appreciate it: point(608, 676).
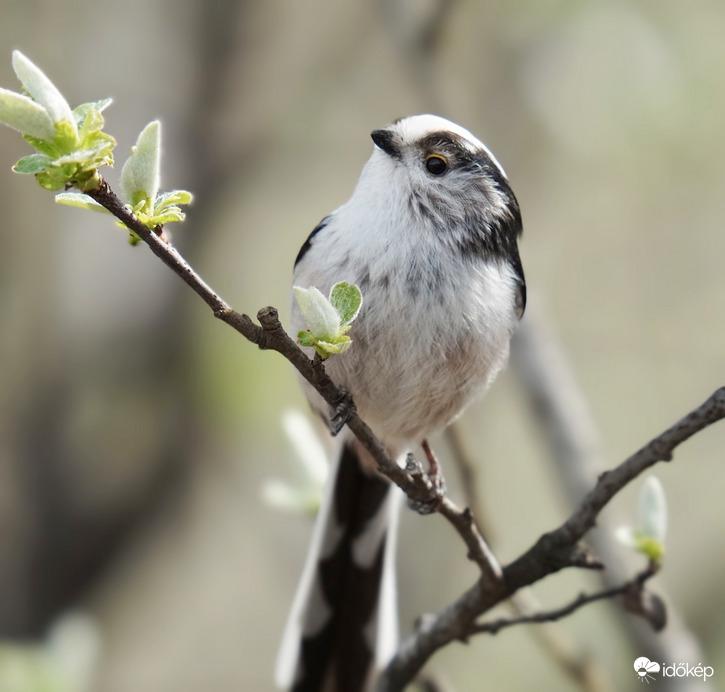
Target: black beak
point(386, 140)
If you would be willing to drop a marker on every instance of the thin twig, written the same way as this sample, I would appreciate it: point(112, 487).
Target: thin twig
point(496, 626)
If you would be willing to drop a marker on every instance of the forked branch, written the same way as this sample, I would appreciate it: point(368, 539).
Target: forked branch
point(555, 550)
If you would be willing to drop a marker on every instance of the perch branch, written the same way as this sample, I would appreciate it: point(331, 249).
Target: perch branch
point(570, 434)
point(553, 551)
point(270, 334)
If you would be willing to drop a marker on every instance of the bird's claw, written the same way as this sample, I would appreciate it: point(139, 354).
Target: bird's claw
point(341, 412)
point(431, 504)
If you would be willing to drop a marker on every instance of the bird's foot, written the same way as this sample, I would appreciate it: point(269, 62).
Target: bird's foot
point(341, 412)
point(435, 476)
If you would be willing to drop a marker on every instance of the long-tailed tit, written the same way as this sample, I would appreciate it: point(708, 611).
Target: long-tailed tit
point(430, 237)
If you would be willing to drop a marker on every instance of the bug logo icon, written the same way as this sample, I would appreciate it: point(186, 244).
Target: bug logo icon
point(644, 669)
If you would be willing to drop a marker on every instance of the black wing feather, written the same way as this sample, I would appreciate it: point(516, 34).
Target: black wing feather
point(308, 243)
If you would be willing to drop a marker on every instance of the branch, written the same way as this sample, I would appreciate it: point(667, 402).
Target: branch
point(270, 334)
point(552, 552)
point(570, 434)
point(634, 584)
point(661, 448)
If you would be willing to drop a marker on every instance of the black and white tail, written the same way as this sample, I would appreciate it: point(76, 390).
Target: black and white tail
point(343, 626)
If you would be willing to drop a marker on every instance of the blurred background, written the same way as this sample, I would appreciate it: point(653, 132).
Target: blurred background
point(137, 551)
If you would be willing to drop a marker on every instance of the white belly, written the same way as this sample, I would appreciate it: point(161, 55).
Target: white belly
point(423, 347)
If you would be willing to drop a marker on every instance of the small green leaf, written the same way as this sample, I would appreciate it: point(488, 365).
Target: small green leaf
point(92, 123)
point(101, 146)
point(78, 199)
point(35, 163)
point(650, 547)
point(53, 178)
point(326, 348)
point(79, 112)
point(649, 536)
point(101, 105)
point(174, 197)
point(66, 136)
point(347, 300)
point(166, 209)
point(169, 215)
point(24, 114)
point(42, 90)
point(305, 338)
point(140, 173)
point(322, 318)
point(66, 157)
point(44, 146)
point(328, 319)
point(652, 510)
point(76, 156)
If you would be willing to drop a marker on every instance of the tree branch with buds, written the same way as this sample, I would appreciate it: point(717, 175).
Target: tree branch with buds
point(554, 551)
point(71, 145)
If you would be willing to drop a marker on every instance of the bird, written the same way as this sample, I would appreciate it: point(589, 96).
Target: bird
point(430, 236)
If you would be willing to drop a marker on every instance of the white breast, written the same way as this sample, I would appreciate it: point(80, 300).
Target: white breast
point(433, 332)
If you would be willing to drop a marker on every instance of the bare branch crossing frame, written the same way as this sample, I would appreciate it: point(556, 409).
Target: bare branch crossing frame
point(552, 552)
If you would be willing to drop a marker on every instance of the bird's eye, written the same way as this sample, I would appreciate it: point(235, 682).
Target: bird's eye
point(436, 165)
